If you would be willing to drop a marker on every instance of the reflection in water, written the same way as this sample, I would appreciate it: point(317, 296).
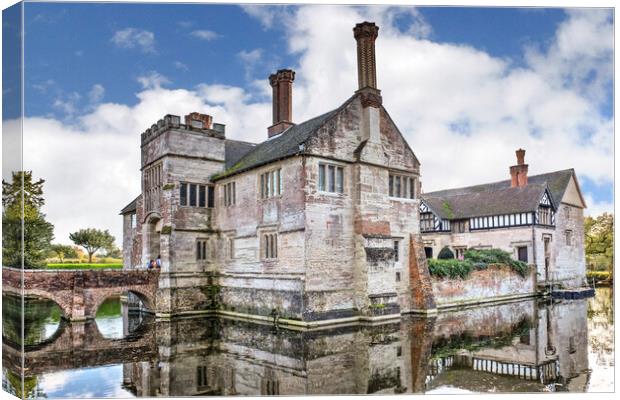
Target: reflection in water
point(41, 319)
point(529, 346)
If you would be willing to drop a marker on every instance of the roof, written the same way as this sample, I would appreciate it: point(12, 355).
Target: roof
point(234, 150)
point(281, 146)
point(130, 208)
point(498, 197)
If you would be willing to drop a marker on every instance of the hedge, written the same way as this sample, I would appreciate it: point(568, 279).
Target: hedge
point(85, 266)
point(475, 260)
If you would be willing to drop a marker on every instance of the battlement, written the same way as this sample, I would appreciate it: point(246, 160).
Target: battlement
point(174, 122)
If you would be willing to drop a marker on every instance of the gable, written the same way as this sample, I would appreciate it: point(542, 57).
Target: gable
point(572, 194)
point(400, 155)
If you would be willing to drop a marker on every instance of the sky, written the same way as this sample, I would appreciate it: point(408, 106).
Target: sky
point(466, 87)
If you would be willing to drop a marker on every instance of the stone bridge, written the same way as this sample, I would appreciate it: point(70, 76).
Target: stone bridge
point(79, 345)
point(79, 293)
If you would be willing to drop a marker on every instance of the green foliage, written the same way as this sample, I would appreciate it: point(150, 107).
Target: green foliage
point(598, 276)
point(63, 251)
point(447, 209)
point(37, 232)
point(166, 230)
point(450, 268)
point(599, 242)
point(445, 254)
point(112, 252)
point(85, 266)
point(474, 260)
point(92, 240)
point(496, 256)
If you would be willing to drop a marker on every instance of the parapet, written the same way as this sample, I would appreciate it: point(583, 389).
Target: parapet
point(174, 122)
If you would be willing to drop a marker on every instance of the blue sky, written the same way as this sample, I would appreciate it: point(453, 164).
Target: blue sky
point(488, 80)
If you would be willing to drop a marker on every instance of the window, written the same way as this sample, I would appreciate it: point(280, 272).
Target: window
point(401, 186)
point(569, 237)
point(567, 212)
point(427, 222)
point(196, 195)
point(331, 178)
point(230, 194)
point(132, 221)
point(399, 351)
point(522, 253)
point(201, 249)
point(428, 252)
point(398, 277)
point(201, 377)
point(458, 226)
point(153, 180)
point(396, 250)
point(459, 252)
point(544, 215)
point(271, 184)
point(231, 248)
point(270, 246)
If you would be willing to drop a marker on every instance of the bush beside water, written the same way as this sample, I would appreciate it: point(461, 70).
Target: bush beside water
point(85, 266)
point(475, 260)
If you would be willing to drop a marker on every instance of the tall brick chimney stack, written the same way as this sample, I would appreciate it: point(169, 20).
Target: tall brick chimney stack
point(282, 84)
point(518, 173)
point(365, 34)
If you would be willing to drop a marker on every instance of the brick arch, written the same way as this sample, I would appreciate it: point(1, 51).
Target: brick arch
point(61, 298)
point(98, 296)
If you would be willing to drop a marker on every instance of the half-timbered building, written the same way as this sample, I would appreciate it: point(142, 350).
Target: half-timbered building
point(538, 219)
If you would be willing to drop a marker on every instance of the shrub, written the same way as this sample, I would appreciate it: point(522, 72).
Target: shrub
point(496, 256)
point(450, 268)
point(598, 275)
point(445, 254)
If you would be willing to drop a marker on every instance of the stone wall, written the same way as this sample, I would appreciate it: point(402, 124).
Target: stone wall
point(570, 262)
point(494, 283)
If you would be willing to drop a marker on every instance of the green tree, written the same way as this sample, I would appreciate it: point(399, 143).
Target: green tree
point(62, 251)
point(599, 240)
point(22, 199)
point(92, 240)
point(113, 252)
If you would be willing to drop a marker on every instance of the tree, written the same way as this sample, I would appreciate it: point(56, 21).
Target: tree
point(113, 252)
point(599, 240)
point(22, 199)
point(63, 251)
point(92, 240)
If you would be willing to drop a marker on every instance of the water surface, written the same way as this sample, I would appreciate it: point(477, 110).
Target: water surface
point(528, 346)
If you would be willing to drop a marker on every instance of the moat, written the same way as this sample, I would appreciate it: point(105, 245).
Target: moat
point(538, 345)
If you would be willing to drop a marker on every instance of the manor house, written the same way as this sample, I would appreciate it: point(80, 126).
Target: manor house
point(312, 224)
point(538, 219)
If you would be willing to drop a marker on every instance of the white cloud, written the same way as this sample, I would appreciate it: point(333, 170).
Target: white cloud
point(250, 59)
point(428, 88)
point(152, 79)
point(205, 34)
point(596, 208)
point(130, 38)
point(180, 66)
point(96, 93)
point(67, 103)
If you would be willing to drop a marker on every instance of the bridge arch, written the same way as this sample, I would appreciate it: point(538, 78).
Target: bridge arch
point(146, 298)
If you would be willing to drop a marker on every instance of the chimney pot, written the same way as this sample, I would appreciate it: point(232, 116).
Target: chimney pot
point(518, 173)
point(365, 34)
point(282, 85)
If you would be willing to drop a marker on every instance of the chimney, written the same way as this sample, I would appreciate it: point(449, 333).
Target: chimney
point(198, 121)
point(518, 173)
point(282, 84)
point(365, 34)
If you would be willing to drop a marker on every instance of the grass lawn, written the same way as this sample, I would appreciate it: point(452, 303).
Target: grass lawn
point(85, 266)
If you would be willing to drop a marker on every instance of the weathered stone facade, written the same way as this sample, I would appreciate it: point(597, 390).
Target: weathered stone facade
point(554, 246)
point(322, 240)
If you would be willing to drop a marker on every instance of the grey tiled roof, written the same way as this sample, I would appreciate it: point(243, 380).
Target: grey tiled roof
point(281, 146)
point(234, 150)
point(497, 197)
point(131, 207)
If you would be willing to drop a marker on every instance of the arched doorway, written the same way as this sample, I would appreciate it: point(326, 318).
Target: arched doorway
point(152, 237)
